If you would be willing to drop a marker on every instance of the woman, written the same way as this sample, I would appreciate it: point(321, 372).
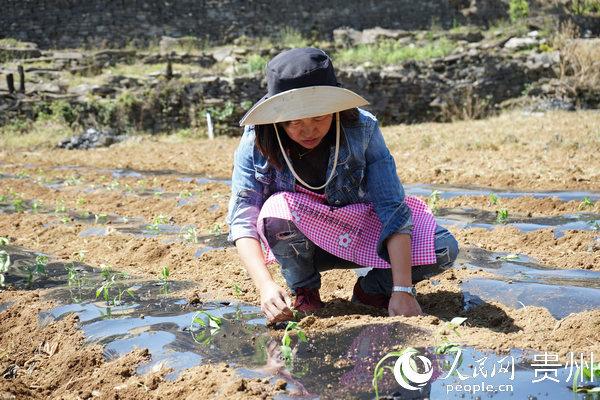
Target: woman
point(315, 184)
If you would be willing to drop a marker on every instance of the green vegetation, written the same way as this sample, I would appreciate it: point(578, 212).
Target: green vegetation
point(585, 203)
point(502, 216)
point(255, 63)
point(37, 269)
point(189, 234)
point(157, 222)
point(493, 199)
point(392, 52)
point(433, 201)
point(380, 368)
point(590, 373)
point(290, 37)
point(198, 326)
point(164, 274)
point(4, 264)
point(286, 340)
point(518, 9)
point(112, 290)
point(584, 7)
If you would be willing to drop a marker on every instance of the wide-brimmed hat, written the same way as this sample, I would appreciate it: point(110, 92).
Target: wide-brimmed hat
point(301, 83)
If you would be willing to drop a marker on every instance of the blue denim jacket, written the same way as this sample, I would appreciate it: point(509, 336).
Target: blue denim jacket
point(366, 172)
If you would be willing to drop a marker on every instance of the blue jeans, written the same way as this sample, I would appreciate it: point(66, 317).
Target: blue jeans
point(302, 261)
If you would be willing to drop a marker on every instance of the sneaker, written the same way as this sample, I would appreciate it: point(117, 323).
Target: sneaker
point(370, 299)
point(307, 300)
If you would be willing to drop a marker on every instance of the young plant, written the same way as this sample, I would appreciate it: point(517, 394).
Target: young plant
point(493, 199)
point(286, 340)
point(60, 207)
point(190, 234)
point(39, 268)
point(4, 241)
point(380, 368)
point(164, 274)
point(589, 373)
point(212, 322)
point(35, 205)
point(157, 222)
point(216, 229)
point(237, 290)
point(106, 287)
point(502, 216)
point(4, 264)
point(433, 201)
point(19, 204)
point(100, 218)
point(585, 203)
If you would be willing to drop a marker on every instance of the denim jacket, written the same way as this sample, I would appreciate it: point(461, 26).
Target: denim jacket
point(365, 173)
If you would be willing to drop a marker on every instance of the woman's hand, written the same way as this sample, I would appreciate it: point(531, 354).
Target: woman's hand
point(404, 304)
point(275, 302)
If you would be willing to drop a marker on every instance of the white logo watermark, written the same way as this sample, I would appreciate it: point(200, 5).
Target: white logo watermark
point(406, 371)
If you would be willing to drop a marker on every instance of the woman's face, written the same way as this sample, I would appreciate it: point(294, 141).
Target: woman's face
point(308, 132)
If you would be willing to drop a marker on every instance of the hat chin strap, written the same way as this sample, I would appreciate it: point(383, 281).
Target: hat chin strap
point(335, 160)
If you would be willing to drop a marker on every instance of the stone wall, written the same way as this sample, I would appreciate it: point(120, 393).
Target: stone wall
point(75, 23)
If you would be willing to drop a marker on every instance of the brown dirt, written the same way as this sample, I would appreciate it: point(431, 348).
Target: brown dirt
point(557, 152)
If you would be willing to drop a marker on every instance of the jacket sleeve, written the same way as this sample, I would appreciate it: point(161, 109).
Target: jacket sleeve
point(385, 190)
point(246, 191)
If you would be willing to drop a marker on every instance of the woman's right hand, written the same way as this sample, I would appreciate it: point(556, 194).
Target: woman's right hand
point(275, 303)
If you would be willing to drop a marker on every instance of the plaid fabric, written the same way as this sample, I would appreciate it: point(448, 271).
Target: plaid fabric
point(350, 232)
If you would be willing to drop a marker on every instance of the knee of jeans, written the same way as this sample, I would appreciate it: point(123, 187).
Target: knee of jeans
point(446, 250)
point(278, 229)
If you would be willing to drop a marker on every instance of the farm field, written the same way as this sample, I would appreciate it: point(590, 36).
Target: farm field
point(121, 283)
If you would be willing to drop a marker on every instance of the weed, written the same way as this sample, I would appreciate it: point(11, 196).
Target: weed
point(585, 203)
point(518, 9)
point(493, 199)
point(286, 340)
point(390, 52)
point(290, 37)
point(4, 264)
point(584, 7)
point(502, 216)
point(433, 201)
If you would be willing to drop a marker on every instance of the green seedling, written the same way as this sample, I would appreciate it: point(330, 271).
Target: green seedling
point(66, 219)
point(114, 185)
point(189, 234)
point(4, 264)
point(164, 274)
point(79, 255)
point(589, 373)
point(216, 229)
point(286, 340)
point(595, 225)
point(60, 207)
point(81, 201)
point(22, 175)
point(212, 322)
point(4, 241)
point(3, 198)
point(502, 216)
point(185, 194)
point(108, 284)
point(585, 203)
point(18, 204)
point(433, 201)
point(39, 268)
point(72, 181)
point(493, 199)
point(380, 368)
point(237, 290)
point(156, 222)
point(100, 218)
point(35, 205)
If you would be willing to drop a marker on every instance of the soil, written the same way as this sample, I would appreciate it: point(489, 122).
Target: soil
point(555, 152)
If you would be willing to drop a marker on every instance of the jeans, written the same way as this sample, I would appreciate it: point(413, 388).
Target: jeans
point(302, 261)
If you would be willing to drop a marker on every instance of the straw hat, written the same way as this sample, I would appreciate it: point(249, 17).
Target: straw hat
point(301, 83)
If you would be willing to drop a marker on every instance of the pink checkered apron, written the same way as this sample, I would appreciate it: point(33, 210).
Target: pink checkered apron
point(350, 232)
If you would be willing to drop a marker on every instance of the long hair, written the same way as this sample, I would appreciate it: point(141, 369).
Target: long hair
point(266, 141)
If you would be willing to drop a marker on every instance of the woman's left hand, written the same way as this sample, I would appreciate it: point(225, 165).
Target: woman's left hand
point(404, 304)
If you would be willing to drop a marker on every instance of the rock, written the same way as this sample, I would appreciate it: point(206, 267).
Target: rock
point(520, 43)
point(91, 138)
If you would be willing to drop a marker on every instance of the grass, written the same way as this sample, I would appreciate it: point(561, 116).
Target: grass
point(33, 134)
point(391, 52)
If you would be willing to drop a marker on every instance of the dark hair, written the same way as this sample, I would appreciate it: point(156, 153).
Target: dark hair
point(266, 141)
